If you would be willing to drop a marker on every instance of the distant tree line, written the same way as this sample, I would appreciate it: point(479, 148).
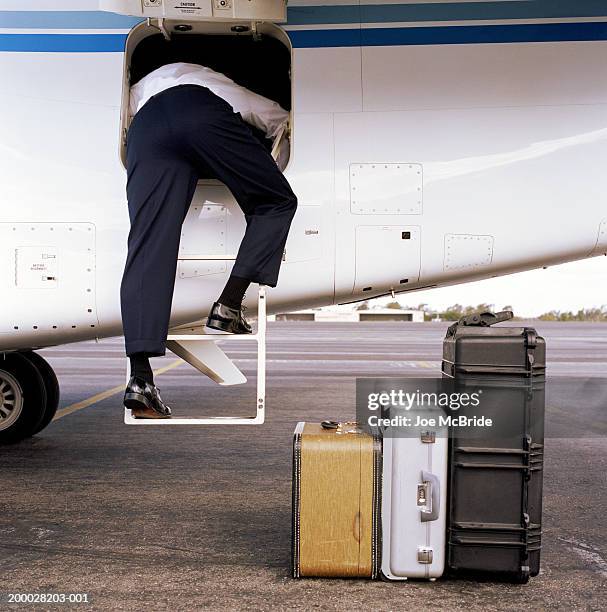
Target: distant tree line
point(455, 312)
point(586, 314)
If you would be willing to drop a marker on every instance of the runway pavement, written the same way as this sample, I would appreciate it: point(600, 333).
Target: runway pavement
point(145, 518)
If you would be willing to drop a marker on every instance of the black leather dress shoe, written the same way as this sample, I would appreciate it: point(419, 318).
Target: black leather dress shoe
point(227, 319)
point(144, 401)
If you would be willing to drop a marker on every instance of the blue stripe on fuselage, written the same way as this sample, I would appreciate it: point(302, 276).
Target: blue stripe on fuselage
point(63, 43)
point(452, 35)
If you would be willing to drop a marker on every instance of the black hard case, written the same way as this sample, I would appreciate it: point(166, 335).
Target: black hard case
point(495, 477)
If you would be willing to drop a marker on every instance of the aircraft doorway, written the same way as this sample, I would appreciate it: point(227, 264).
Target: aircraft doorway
point(254, 55)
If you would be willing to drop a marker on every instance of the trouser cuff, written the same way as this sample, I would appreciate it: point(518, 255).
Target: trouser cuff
point(152, 348)
point(254, 276)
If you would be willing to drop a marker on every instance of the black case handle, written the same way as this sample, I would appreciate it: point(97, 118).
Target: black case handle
point(481, 319)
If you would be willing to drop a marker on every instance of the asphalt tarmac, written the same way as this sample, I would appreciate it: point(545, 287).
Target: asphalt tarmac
point(198, 518)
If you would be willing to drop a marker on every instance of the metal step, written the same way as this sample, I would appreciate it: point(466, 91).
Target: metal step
point(201, 350)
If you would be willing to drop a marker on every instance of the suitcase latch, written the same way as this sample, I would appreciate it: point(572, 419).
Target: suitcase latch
point(423, 495)
point(424, 554)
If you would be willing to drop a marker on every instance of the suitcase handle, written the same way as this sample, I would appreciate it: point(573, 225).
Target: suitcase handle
point(481, 319)
point(434, 485)
point(342, 427)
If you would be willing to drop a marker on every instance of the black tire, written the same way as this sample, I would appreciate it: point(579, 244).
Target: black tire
point(22, 398)
point(51, 385)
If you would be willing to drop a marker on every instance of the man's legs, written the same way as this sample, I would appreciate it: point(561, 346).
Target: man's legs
point(170, 140)
point(269, 205)
point(238, 159)
point(227, 146)
point(233, 293)
point(160, 187)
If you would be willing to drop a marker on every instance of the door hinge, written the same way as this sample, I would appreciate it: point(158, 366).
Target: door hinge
point(254, 31)
point(159, 25)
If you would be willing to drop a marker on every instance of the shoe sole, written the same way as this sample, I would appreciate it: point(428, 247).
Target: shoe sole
point(141, 408)
point(222, 328)
point(217, 332)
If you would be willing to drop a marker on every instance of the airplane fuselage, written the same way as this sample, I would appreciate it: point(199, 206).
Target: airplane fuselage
point(427, 149)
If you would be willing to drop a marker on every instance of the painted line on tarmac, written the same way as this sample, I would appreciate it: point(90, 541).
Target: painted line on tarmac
point(105, 394)
point(120, 388)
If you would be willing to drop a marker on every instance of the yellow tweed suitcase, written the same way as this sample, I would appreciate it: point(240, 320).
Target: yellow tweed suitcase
point(336, 500)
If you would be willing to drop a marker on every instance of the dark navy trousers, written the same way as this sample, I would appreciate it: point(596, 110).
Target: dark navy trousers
point(179, 135)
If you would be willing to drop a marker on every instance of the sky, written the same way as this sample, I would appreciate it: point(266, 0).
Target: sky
point(572, 286)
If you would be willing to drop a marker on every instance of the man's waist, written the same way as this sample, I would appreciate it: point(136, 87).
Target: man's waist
point(181, 86)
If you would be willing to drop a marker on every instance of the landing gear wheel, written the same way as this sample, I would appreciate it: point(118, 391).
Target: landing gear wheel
point(51, 385)
point(22, 398)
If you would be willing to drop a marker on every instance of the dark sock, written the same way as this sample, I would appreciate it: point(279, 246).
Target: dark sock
point(140, 367)
point(233, 292)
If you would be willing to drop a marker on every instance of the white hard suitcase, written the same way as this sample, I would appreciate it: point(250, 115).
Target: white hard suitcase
point(414, 498)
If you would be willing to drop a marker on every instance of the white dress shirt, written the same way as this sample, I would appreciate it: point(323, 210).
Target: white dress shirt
point(257, 110)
